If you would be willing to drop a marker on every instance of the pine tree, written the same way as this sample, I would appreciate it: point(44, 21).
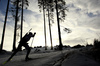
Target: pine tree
point(16, 21)
point(60, 8)
point(1, 47)
point(18, 6)
point(50, 10)
point(41, 4)
point(60, 12)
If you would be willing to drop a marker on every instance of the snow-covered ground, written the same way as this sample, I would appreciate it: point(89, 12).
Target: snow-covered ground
point(41, 57)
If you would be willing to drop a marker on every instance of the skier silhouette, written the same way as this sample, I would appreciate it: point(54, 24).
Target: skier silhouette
point(24, 43)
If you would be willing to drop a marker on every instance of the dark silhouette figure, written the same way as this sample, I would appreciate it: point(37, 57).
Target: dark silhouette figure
point(24, 43)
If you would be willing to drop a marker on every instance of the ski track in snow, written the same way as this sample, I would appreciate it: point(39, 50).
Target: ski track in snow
point(70, 57)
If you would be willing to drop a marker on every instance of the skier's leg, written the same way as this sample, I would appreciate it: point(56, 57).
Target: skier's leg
point(28, 51)
point(14, 52)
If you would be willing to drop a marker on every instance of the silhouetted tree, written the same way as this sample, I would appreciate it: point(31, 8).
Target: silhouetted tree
point(49, 6)
point(24, 4)
point(15, 13)
point(1, 47)
point(78, 46)
point(50, 30)
point(96, 44)
point(18, 6)
point(60, 11)
point(41, 4)
point(16, 20)
point(21, 21)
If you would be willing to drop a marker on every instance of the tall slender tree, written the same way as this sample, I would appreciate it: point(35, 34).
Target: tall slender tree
point(16, 20)
point(18, 5)
point(21, 20)
point(58, 23)
point(50, 9)
point(1, 47)
point(60, 11)
point(50, 30)
point(46, 7)
point(44, 24)
point(21, 29)
point(14, 11)
point(24, 2)
point(41, 4)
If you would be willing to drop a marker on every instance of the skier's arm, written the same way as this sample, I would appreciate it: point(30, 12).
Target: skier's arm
point(34, 34)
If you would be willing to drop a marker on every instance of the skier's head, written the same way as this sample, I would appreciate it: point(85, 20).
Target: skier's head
point(30, 34)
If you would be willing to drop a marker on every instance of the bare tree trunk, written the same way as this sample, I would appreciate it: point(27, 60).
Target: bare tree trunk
point(50, 30)
point(16, 18)
point(44, 27)
point(58, 23)
point(1, 47)
point(21, 23)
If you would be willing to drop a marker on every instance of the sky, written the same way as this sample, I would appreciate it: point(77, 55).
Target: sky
point(83, 18)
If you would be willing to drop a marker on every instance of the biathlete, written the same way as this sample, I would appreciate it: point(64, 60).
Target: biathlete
point(24, 43)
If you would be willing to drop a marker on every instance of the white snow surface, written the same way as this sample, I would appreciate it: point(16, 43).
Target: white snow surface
point(49, 58)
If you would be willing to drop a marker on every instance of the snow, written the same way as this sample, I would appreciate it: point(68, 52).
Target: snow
point(72, 57)
point(77, 59)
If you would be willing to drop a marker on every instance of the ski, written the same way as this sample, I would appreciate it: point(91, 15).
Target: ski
point(6, 61)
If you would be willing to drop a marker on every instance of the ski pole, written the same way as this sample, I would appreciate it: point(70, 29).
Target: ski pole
point(29, 30)
point(32, 42)
point(33, 39)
